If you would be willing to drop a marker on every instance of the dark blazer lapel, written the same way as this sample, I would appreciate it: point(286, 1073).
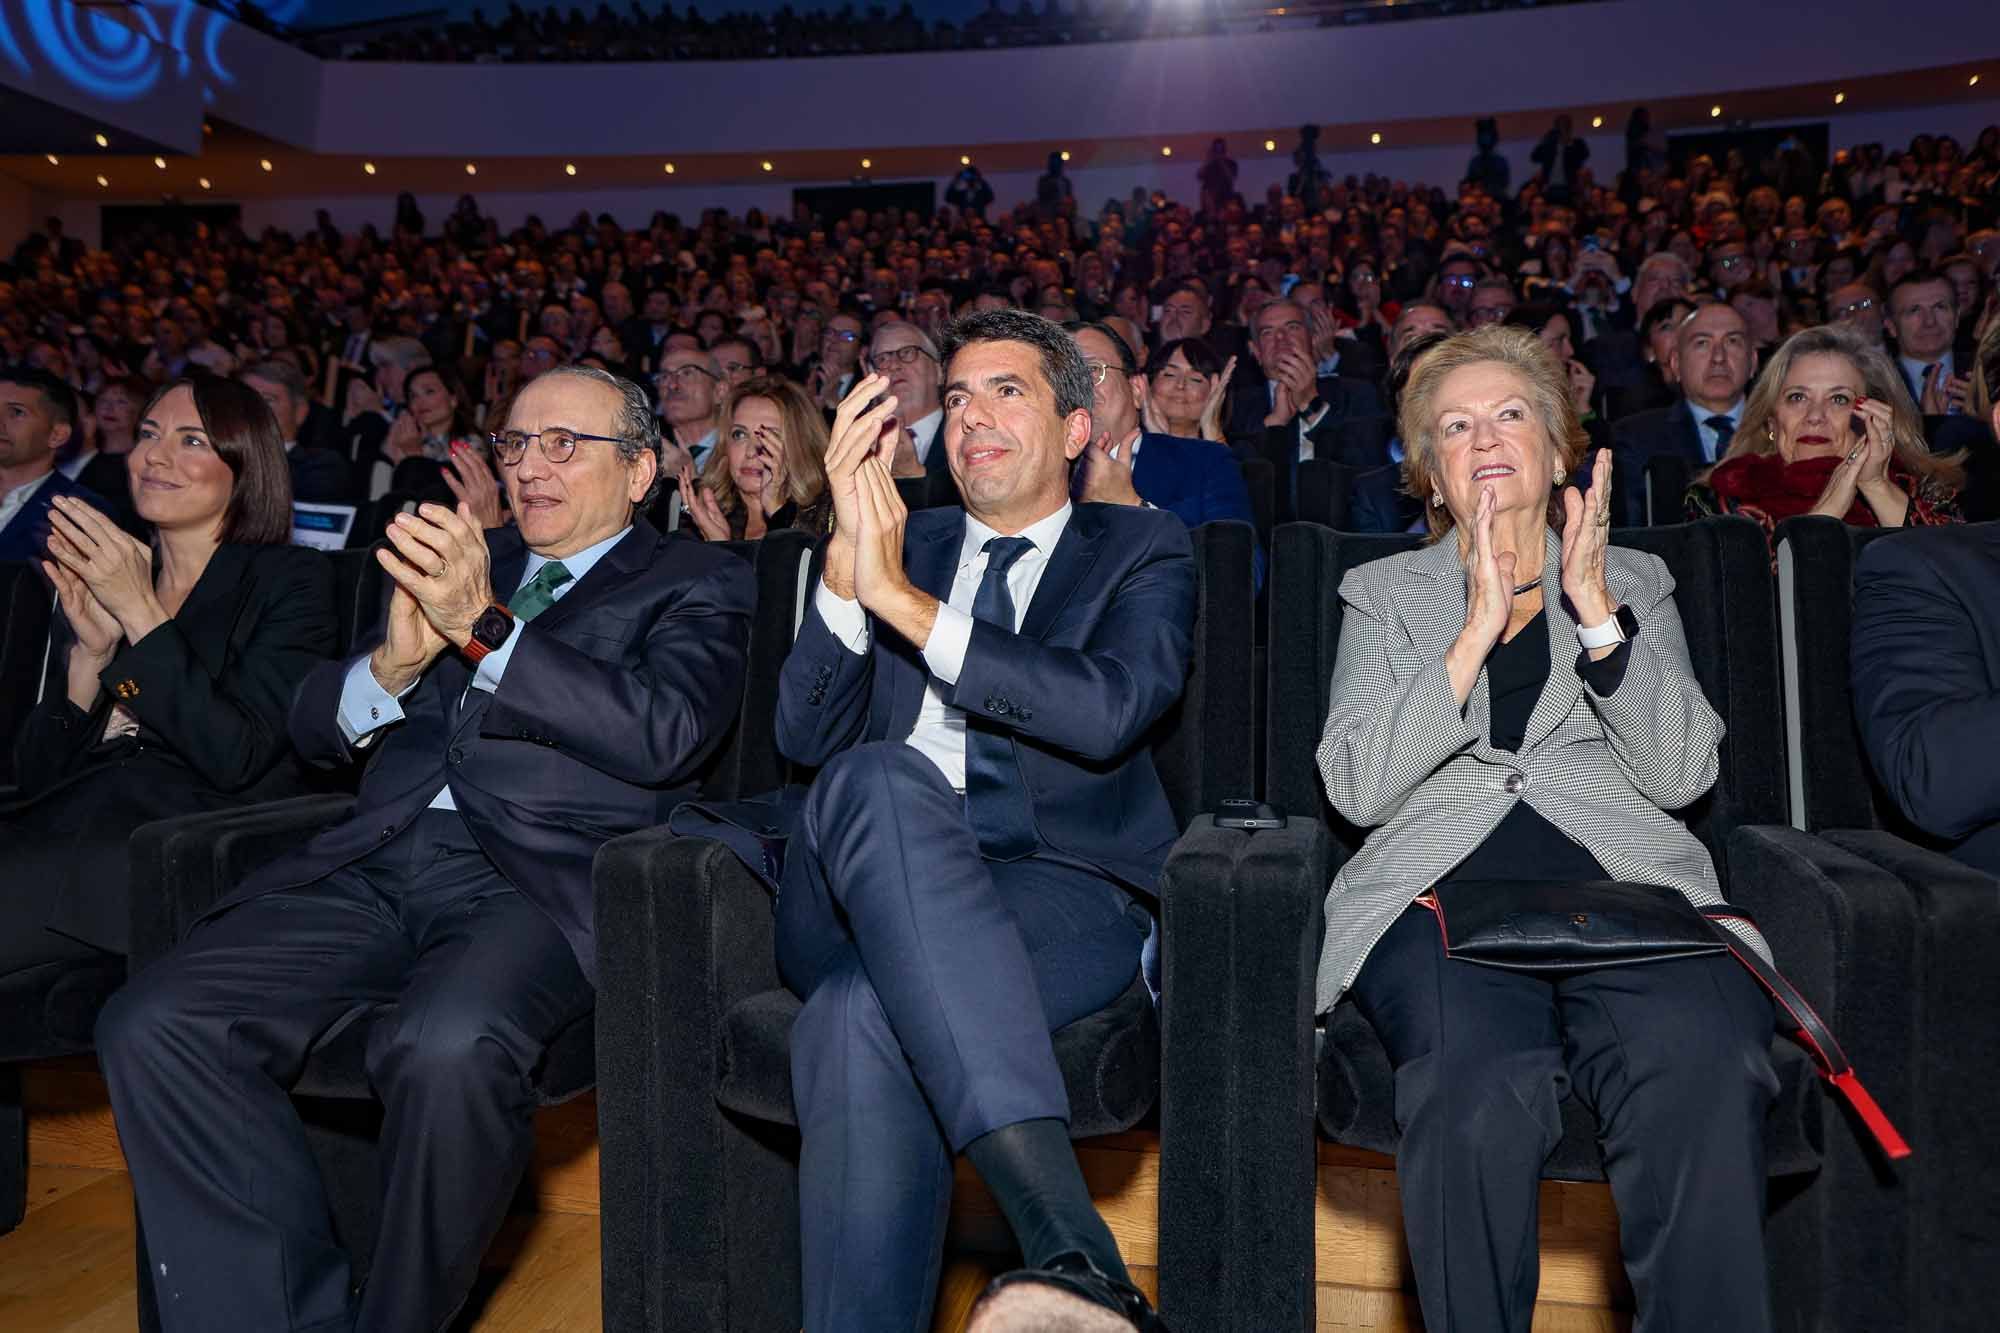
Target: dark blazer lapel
point(628, 557)
point(1691, 446)
point(507, 557)
point(1147, 477)
point(1076, 551)
point(223, 577)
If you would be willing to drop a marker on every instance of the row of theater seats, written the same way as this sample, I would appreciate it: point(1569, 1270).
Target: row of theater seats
point(688, 1047)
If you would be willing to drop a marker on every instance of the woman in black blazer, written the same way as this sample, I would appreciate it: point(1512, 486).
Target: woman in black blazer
point(171, 671)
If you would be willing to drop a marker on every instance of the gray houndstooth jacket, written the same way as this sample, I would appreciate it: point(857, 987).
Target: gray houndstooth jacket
point(1398, 754)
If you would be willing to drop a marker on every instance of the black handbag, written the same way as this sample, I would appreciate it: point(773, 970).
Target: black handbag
point(1545, 926)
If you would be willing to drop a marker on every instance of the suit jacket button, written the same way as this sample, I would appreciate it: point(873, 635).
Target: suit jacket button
point(387, 834)
point(523, 734)
point(1516, 783)
point(991, 707)
point(1025, 714)
point(457, 755)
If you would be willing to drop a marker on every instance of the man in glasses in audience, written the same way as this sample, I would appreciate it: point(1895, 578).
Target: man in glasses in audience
point(534, 691)
point(908, 358)
point(690, 385)
point(1860, 307)
point(840, 349)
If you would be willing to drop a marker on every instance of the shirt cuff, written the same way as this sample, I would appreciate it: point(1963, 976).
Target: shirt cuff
point(1604, 675)
point(494, 664)
point(844, 619)
point(951, 635)
point(365, 707)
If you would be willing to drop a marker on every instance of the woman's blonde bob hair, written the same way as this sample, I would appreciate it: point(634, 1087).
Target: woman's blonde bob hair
point(1757, 432)
point(1547, 383)
point(804, 443)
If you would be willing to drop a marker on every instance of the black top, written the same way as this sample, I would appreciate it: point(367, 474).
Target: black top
point(1524, 845)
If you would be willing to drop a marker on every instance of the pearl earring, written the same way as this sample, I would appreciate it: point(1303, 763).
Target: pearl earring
point(1437, 500)
point(1560, 474)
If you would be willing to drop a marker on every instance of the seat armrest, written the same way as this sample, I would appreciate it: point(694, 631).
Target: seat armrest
point(684, 932)
point(1242, 915)
point(182, 867)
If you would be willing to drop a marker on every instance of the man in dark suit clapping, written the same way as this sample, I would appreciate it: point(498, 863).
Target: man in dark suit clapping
point(509, 741)
point(975, 687)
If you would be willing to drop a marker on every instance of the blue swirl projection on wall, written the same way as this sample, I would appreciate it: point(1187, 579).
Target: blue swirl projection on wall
point(121, 61)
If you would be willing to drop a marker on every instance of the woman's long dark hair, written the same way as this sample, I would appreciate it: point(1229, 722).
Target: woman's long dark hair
point(245, 436)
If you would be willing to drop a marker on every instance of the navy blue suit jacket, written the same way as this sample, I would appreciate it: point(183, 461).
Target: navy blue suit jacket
point(1102, 653)
point(26, 535)
point(1195, 481)
point(1926, 663)
point(611, 702)
point(1667, 430)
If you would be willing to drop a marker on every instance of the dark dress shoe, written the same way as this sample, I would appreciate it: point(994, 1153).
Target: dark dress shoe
point(1075, 1274)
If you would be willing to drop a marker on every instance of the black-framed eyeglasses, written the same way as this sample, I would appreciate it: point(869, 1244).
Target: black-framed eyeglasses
point(897, 356)
point(685, 374)
point(557, 445)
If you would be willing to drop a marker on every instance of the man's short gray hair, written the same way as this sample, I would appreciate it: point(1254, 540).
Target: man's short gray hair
point(924, 340)
point(1662, 260)
point(638, 429)
point(281, 373)
point(405, 353)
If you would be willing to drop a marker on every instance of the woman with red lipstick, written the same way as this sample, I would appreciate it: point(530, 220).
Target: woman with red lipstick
point(770, 471)
point(1830, 429)
point(172, 666)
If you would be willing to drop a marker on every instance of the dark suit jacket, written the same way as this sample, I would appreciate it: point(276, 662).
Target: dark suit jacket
point(1926, 667)
point(941, 488)
point(1103, 651)
point(1664, 430)
point(26, 535)
point(209, 688)
point(1195, 481)
point(613, 699)
point(1355, 432)
point(319, 476)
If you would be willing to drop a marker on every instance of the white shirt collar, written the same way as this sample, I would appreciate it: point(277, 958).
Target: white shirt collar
point(1914, 368)
point(1043, 532)
point(579, 564)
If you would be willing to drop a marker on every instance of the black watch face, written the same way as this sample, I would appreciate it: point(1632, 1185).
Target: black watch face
point(492, 627)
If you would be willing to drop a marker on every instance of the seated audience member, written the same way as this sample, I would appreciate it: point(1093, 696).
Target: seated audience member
point(1926, 669)
point(1831, 430)
point(455, 903)
point(1126, 464)
point(690, 389)
point(318, 476)
point(1713, 360)
point(1301, 415)
point(1419, 319)
point(170, 669)
point(1936, 363)
point(1859, 306)
point(770, 470)
point(738, 359)
point(907, 357)
point(1552, 325)
point(1492, 301)
point(1654, 384)
point(38, 412)
point(1187, 386)
point(1445, 654)
point(116, 411)
point(840, 348)
point(1030, 823)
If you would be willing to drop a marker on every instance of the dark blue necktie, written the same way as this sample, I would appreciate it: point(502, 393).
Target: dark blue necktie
point(996, 803)
point(1724, 428)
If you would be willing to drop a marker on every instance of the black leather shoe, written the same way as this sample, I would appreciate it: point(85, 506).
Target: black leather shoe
point(1075, 1274)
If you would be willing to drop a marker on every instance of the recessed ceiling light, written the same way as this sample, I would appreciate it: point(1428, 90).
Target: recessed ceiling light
point(767, 166)
point(1065, 155)
point(1714, 111)
point(1838, 98)
point(1375, 137)
point(1166, 150)
point(160, 162)
point(1972, 82)
point(1597, 122)
point(207, 128)
point(264, 163)
point(669, 167)
point(368, 167)
point(101, 181)
point(204, 182)
point(569, 168)
point(866, 164)
point(964, 160)
point(1270, 145)
point(471, 169)
point(54, 161)
point(103, 142)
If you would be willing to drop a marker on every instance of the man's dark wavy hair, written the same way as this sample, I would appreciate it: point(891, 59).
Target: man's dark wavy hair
point(1062, 360)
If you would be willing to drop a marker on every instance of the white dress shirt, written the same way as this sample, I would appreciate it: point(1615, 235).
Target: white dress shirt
point(939, 734)
point(12, 502)
point(924, 430)
point(366, 708)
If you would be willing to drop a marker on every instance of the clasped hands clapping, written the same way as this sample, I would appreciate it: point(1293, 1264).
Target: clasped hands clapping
point(103, 577)
point(864, 561)
point(438, 561)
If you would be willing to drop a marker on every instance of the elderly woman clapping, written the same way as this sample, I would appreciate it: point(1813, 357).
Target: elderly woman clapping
point(1514, 703)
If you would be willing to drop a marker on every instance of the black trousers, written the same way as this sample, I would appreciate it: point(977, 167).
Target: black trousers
point(465, 982)
point(932, 978)
point(1674, 1059)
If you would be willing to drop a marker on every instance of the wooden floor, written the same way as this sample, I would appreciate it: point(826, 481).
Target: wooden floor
point(69, 1269)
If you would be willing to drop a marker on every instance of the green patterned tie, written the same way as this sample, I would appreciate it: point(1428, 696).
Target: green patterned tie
point(539, 592)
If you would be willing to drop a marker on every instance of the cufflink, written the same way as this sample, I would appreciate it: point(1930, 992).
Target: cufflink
point(374, 714)
point(126, 689)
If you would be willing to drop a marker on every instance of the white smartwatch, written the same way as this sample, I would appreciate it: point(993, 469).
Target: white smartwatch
point(1608, 635)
